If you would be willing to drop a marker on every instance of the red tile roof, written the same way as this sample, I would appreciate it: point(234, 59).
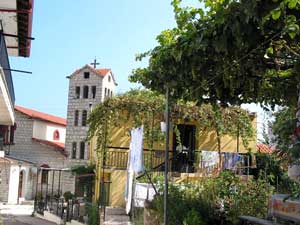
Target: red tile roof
point(56, 145)
point(41, 116)
point(101, 71)
point(262, 148)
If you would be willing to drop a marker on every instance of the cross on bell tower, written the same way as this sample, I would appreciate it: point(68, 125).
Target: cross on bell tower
point(95, 63)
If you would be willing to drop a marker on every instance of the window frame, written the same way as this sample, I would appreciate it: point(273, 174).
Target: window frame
point(82, 150)
point(83, 118)
point(85, 93)
point(56, 135)
point(77, 92)
point(76, 118)
point(86, 75)
point(74, 150)
point(94, 88)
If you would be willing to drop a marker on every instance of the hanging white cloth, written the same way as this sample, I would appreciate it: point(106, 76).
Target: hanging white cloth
point(128, 191)
point(135, 163)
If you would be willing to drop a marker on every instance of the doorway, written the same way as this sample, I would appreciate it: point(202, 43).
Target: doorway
point(21, 184)
point(185, 153)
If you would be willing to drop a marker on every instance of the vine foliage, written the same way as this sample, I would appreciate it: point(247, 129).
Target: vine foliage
point(138, 107)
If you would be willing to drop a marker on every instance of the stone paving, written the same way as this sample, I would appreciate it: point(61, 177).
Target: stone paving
point(16, 209)
point(24, 220)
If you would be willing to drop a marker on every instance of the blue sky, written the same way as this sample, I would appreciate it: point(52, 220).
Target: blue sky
point(70, 33)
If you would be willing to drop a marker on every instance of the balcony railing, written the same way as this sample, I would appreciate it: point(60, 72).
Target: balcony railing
point(4, 63)
point(154, 161)
point(117, 157)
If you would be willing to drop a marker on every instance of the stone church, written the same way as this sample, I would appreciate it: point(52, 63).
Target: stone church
point(88, 86)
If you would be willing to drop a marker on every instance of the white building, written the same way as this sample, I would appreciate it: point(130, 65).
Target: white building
point(38, 142)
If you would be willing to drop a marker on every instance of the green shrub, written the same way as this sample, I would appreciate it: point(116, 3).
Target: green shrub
point(215, 201)
point(68, 195)
point(93, 214)
point(192, 218)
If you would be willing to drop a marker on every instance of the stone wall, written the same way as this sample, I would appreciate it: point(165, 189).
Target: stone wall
point(25, 148)
point(4, 179)
point(79, 133)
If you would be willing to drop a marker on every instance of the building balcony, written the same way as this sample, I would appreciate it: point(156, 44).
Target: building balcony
point(180, 164)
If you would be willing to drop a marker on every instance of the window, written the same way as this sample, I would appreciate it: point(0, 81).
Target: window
point(105, 92)
point(76, 118)
point(74, 150)
point(86, 75)
point(108, 92)
point(4, 133)
point(111, 94)
point(109, 78)
point(93, 91)
point(85, 91)
point(56, 135)
point(84, 117)
point(82, 148)
point(12, 133)
point(77, 92)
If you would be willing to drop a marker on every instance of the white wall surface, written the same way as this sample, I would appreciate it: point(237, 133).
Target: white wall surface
point(44, 130)
point(14, 183)
point(109, 85)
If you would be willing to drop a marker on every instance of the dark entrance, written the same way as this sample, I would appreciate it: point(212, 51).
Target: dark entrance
point(84, 186)
point(20, 192)
point(184, 153)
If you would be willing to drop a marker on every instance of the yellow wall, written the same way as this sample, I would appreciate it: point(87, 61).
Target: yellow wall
point(204, 140)
point(117, 188)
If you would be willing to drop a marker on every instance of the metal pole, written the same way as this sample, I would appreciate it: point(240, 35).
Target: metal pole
point(19, 184)
point(59, 176)
point(47, 180)
point(166, 158)
point(42, 184)
point(102, 184)
point(53, 173)
point(36, 189)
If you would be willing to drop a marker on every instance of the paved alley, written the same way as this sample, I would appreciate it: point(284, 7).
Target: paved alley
point(24, 220)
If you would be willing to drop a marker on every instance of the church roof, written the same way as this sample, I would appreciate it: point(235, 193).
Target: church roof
point(41, 116)
point(101, 71)
point(59, 146)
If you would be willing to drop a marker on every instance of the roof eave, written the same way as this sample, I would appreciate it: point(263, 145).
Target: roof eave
point(23, 20)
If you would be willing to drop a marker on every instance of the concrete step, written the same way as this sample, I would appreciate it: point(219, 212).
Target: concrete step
point(116, 216)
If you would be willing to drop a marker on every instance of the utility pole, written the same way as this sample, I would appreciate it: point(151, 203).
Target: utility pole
point(167, 157)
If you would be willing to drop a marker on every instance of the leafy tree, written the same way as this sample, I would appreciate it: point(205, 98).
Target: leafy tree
point(287, 141)
point(235, 51)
